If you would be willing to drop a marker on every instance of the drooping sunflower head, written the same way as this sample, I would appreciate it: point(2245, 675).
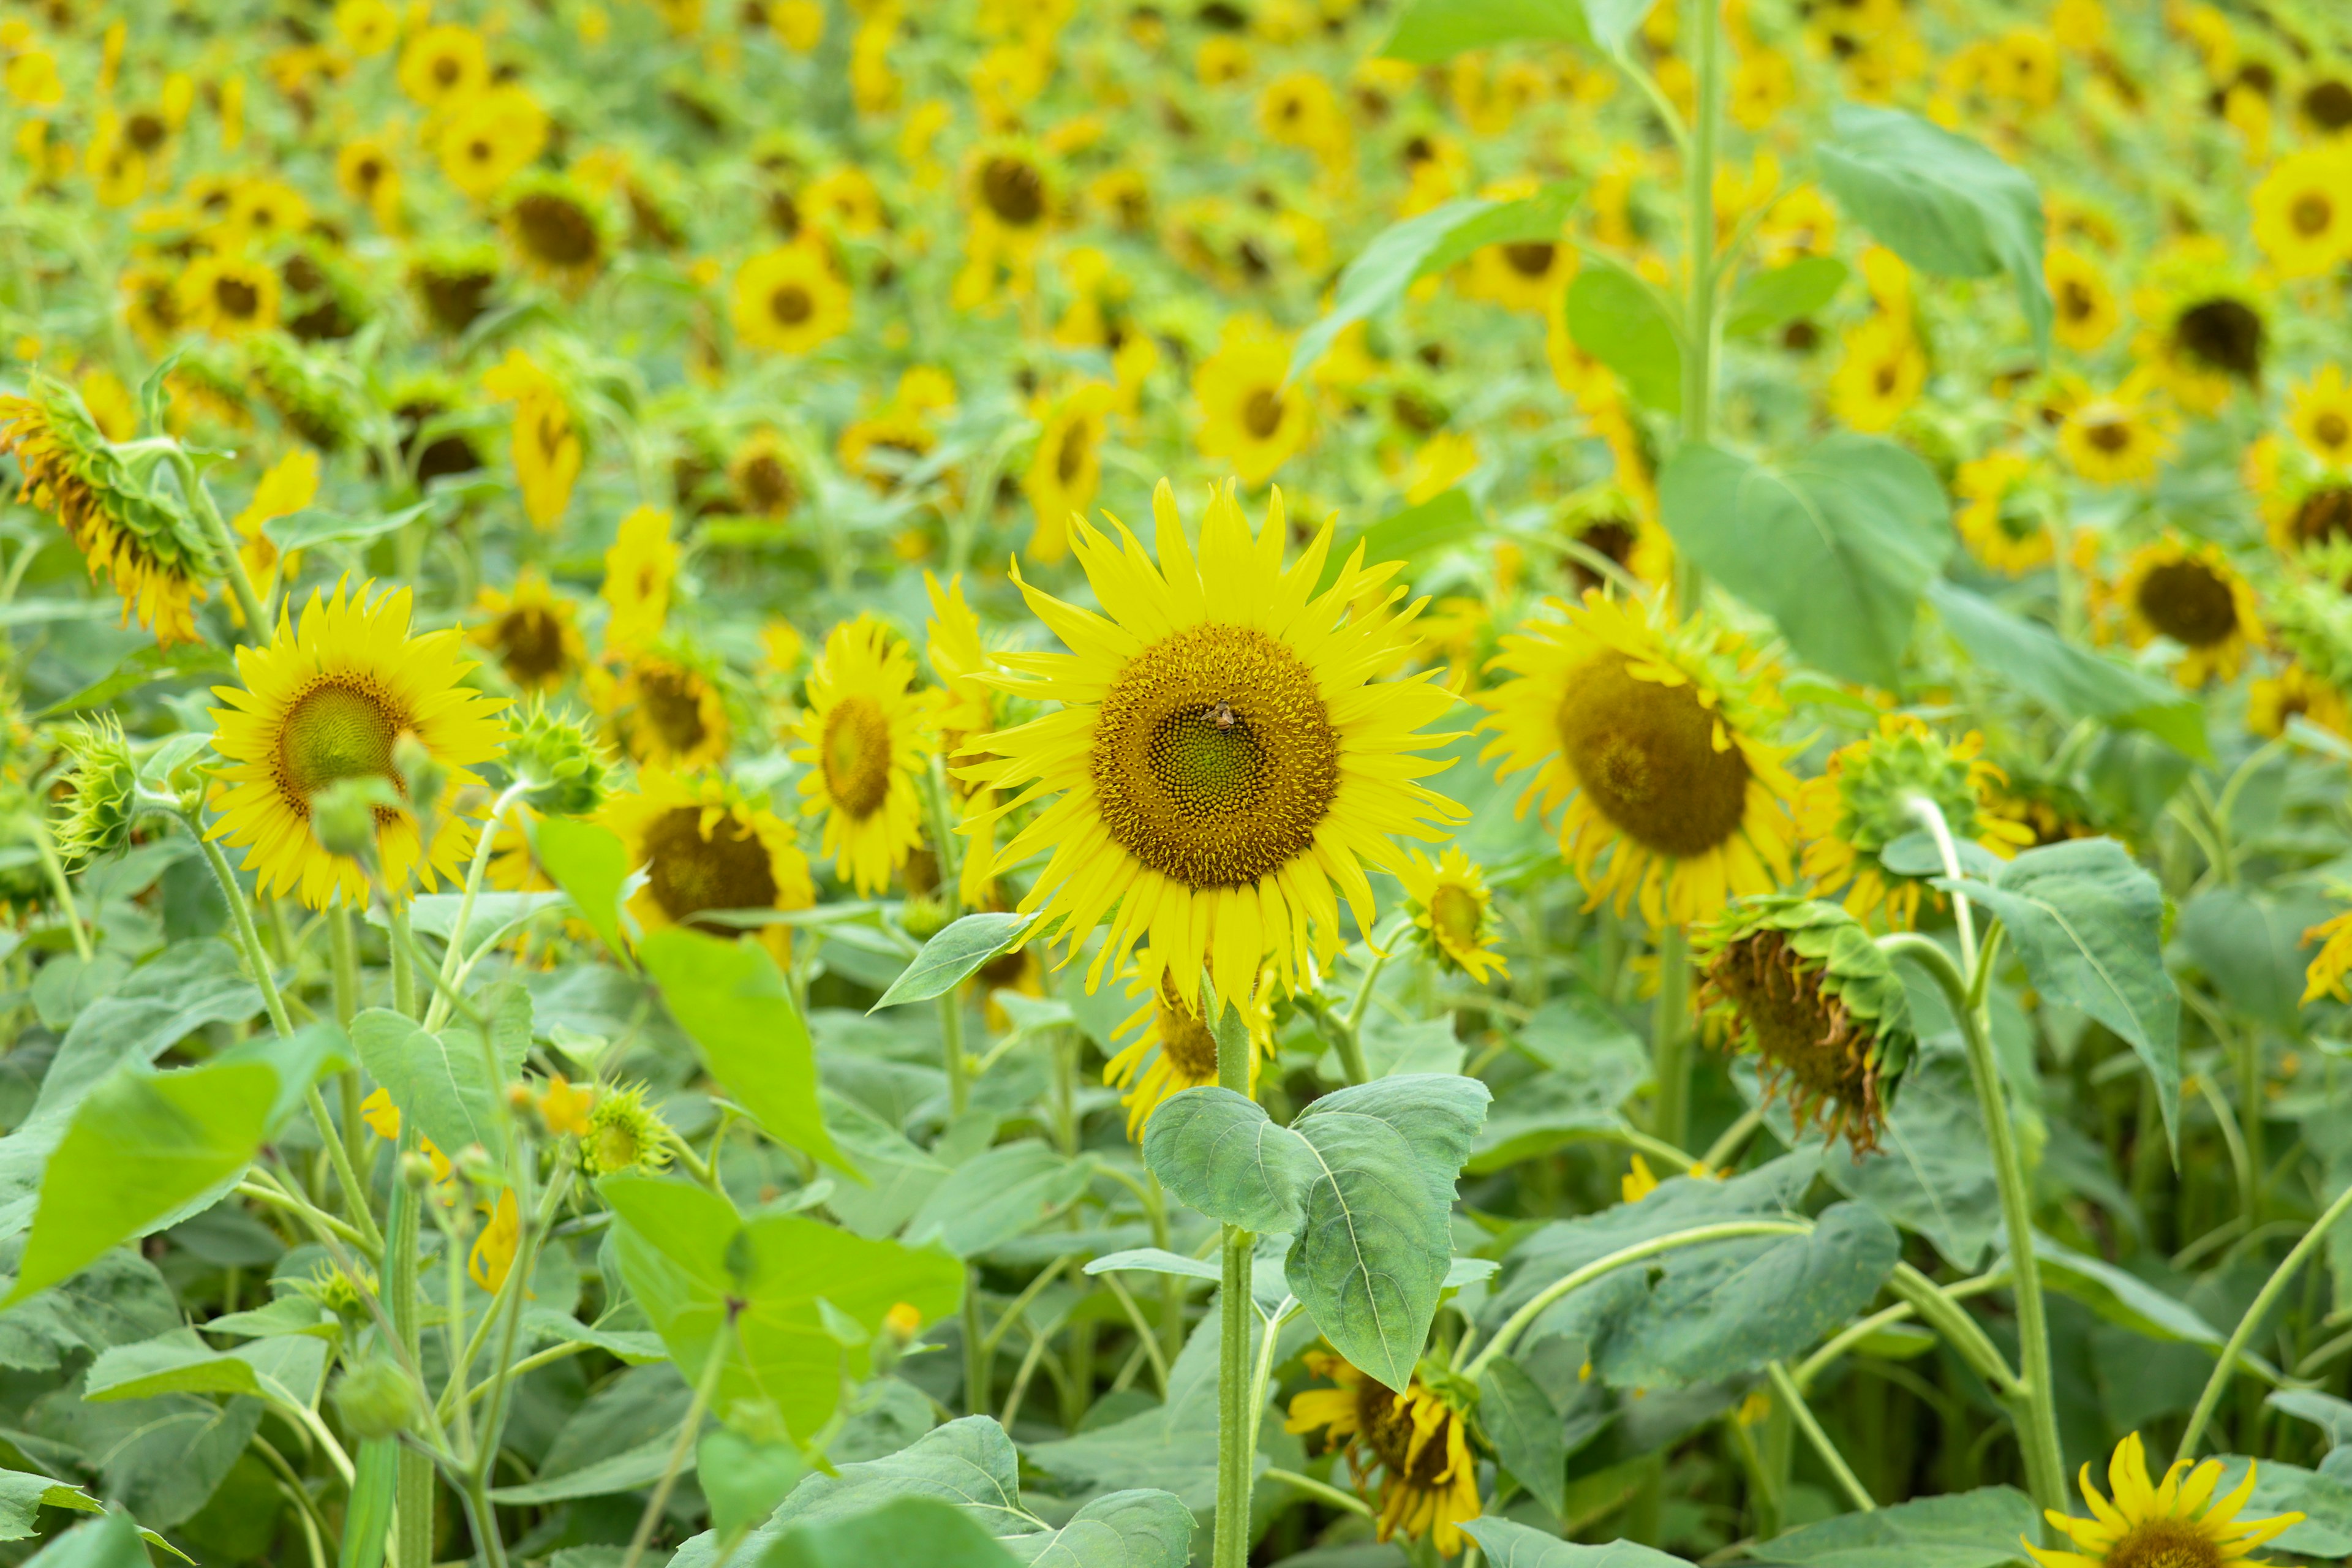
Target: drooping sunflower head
point(1220, 762)
point(1867, 800)
point(307, 395)
point(705, 845)
point(867, 734)
point(2009, 510)
point(1452, 906)
point(158, 558)
point(2176, 1522)
point(533, 632)
point(455, 282)
point(334, 702)
point(1414, 1445)
point(667, 709)
point(1174, 1048)
point(2305, 501)
point(1654, 739)
point(1807, 991)
point(766, 476)
point(624, 1134)
point(2206, 331)
point(559, 228)
point(2188, 593)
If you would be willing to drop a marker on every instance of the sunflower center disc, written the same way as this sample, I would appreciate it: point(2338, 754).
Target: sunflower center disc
point(2107, 433)
point(1187, 1043)
point(2224, 334)
point(2331, 430)
point(558, 232)
point(1262, 414)
point(2311, 215)
point(2165, 1543)
point(2186, 602)
point(856, 756)
point(1530, 257)
point(673, 707)
point(236, 297)
point(1014, 192)
point(2324, 515)
point(790, 305)
point(335, 732)
point(1070, 461)
point(531, 644)
point(1454, 916)
point(1214, 758)
point(689, 873)
point(1646, 756)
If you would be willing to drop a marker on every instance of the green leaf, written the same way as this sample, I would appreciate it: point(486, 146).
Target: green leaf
point(1983, 1529)
point(906, 1529)
point(969, 1463)
point(299, 1060)
point(2071, 680)
point(312, 527)
point(139, 1147)
point(2324, 1411)
point(997, 1195)
point(731, 1001)
point(1404, 253)
point(1510, 1545)
point(288, 1369)
point(1577, 1099)
point(2324, 1500)
point(1728, 1308)
point(954, 954)
point(1940, 202)
point(744, 1479)
point(1431, 31)
point(626, 1471)
point(162, 1458)
point(367, 1518)
point(180, 661)
point(2088, 921)
point(1616, 318)
point(2122, 1298)
point(685, 1255)
point(1932, 1172)
point(1835, 545)
point(1786, 293)
point(439, 1080)
point(1143, 1528)
point(1220, 1153)
point(1445, 520)
point(1526, 1432)
point(590, 864)
point(2250, 947)
point(109, 1542)
point(22, 1495)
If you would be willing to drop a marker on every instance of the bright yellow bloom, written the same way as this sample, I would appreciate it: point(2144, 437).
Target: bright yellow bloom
point(2174, 1523)
point(2324, 975)
point(2302, 211)
point(703, 845)
point(2320, 413)
point(2188, 593)
point(639, 570)
point(493, 1256)
point(1862, 802)
point(2295, 692)
point(564, 1109)
point(547, 449)
point(490, 139)
point(443, 66)
point(2117, 439)
point(2084, 313)
point(1067, 468)
point(532, 632)
point(228, 296)
point(1415, 1442)
point(1880, 376)
point(665, 712)
point(790, 300)
point(1451, 902)
point(867, 737)
point(289, 485)
point(1248, 417)
point(383, 1118)
point(2006, 512)
point(1173, 1051)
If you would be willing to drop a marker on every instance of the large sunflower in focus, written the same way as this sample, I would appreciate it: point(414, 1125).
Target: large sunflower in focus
point(1221, 761)
point(704, 846)
point(1653, 737)
point(868, 733)
point(331, 702)
point(1174, 1050)
point(2191, 594)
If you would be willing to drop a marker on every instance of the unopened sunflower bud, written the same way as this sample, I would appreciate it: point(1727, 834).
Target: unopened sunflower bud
point(473, 1163)
point(375, 1400)
point(623, 1135)
point(98, 817)
point(421, 772)
point(563, 769)
point(923, 917)
point(415, 1170)
point(344, 814)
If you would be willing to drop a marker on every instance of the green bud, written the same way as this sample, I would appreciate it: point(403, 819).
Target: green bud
point(923, 916)
point(342, 815)
point(421, 772)
point(375, 1400)
point(417, 1171)
point(563, 769)
point(98, 817)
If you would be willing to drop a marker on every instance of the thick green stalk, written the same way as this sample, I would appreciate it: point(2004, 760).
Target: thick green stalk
point(1702, 24)
point(412, 1486)
point(2251, 1319)
point(1236, 1421)
point(343, 945)
point(1670, 1040)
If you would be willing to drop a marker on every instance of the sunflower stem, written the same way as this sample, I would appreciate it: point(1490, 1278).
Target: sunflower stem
point(344, 949)
point(474, 874)
point(1784, 1388)
point(2272, 1287)
point(215, 527)
point(55, 870)
point(412, 1471)
point(247, 937)
point(1670, 1040)
point(704, 1386)
point(1704, 26)
point(1236, 1419)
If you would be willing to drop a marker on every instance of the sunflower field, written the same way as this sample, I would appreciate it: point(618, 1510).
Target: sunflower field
point(1113, 783)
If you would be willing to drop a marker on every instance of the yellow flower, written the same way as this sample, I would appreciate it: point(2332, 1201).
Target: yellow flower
point(2083, 305)
point(2189, 593)
point(1415, 1443)
point(665, 712)
point(2204, 328)
point(1011, 199)
point(1066, 469)
point(966, 710)
point(1298, 108)
point(492, 138)
point(443, 66)
point(2302, 211)
point(2325, 976)
point(1880, 376)
point(493, 1256)
point(1220, 760)
point(2117, 439)
point(383, 1118)
point(1653, 738)
point(1249, 417)
point(2006, 512)
point(564, 1109)
point(367, 27)
point(532, 632)
point(547, 449)
point(799, 25)
point(790, 300)
point(1862, 802)
point(2320, 413)
point(366, 173)
point(704, 846)
point(290, 485)
point(2176, 1521)
point(2295, 693)
point(1638, 1182)
point(228, 296)
point(1451, 902)
point(334, 703)
point(1174, 1050)
point(639, 570)
point(866, 735)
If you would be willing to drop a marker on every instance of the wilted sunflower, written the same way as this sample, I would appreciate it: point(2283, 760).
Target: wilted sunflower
point(2175, 1523)
point(2083, 305)
point(1220, 757)
point(2302, 211)
point(1806, 990)
point(2117, 440)
point(559, 228)
point(228, 296)
point(1417, 1443)
point(2296, 693)
point(533, 632)
point(158, 560)
point(790, 300)
point(666, 711)
point(2191, 594)
point(1248, 416)
point(2007, 511)
point(1173, 1050)
point(1067, 468)
point(703, 845)
point(332, 702)
point(1653, 737)
point(547, 449)
point(1451, 903)
point(1863, 802)
point(2206, 331)
point(867, 734)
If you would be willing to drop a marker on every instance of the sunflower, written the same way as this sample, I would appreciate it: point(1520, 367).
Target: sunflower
point(846, 202)
point(2084, 311)
point(1451, 904)
point(2189, 593)
point(261, 213)
point(533, 632)
point(2305, 506)
point(454, 282)
point(490, 139)
point(1220, 756)
point(1880, 376)
point(2175, 1523)
point(1011, 198)
point(766, 477)
point(1299, 110)
point(1250, 417)
point(228, 296)
point(2319, 412)
point(1607, 524)
point(287, 487)
point(2302, 211)
point(1653, 737)
point(666, 711)
point(867, 735)
point(1417, 1442)
point(2296, 693)
point(2117, 440)
point(334, 703)
point(790, 300)
point(1862, 803)
point(159, 561)
point(443, 66)
point(2007, 511)
point(1067, 468)
point(2205, 328)
point(2324, 974)
point(704, 846)
point(1174, 1050)
point(639, 572)
point(546, 444)
point(559, 228)
point(966, 710)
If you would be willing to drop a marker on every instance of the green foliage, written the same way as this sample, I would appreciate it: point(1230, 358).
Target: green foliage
point(951, 957)
point(1624, 323)
point(730, 1000)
